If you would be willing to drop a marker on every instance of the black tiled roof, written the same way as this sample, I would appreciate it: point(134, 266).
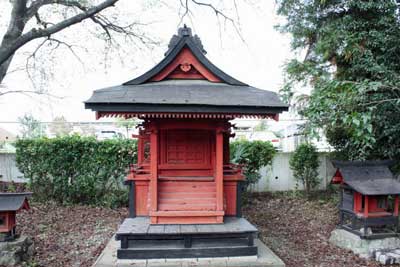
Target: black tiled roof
point(173, 95)
point(369, 177)
point(12, 201)
point(228, 96)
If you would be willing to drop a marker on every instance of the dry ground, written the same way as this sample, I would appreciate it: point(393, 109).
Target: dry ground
point(295, 228)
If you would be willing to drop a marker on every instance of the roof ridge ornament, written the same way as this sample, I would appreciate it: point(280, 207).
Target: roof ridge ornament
point(185, 32)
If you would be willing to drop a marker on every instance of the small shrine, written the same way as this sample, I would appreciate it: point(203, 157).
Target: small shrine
point(185, 194)
point(369, 198)
point(10, 204)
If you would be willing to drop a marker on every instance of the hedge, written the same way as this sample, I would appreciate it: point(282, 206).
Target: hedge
point(76, 169)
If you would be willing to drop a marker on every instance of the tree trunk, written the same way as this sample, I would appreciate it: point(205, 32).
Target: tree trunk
point(14, 31)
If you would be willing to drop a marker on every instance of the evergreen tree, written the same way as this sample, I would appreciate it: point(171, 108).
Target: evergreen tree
point(352, 63)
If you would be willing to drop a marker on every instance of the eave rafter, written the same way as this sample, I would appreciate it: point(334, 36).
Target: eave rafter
point(171, 115)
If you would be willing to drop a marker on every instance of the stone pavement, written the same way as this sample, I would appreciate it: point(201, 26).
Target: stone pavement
point(265, 258)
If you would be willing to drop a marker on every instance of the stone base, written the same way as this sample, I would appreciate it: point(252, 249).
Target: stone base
point(363, 247)
point(16, 251)
point(265, 258)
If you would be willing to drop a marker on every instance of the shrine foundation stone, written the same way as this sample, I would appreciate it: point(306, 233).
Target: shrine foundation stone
point(265, 258)
point(363, 247)
point(16, 251)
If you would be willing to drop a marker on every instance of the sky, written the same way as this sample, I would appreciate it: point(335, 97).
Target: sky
point(255, 56)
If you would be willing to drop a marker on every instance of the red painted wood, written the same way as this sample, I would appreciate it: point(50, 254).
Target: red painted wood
point(357, 202)
point(140, 147)
point(187, 194)
point(153, 168)
point(337, 178)
point(190, 219)
point(396, 205)
point(188, 213)
point(190, 73)
point(187, 207)
point(185, 57)
point(188, 168)
point(188, 148)
point(9, 221)
point(366, 208)
point(230, 198)
point(373, 204)
point(142, 198)
point(219, 169)
point(186, 115)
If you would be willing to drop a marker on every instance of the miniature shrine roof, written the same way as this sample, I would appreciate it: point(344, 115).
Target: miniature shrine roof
point(185, 81)
point(369, 177)
point(13, 201)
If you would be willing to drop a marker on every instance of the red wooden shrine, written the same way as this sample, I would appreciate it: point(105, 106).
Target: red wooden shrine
point(369, 197)
point(183, 174)
point(10, 204)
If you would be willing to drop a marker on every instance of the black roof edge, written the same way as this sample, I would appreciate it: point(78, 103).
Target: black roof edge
point(363, 163)
point(190, 108)
point(185, 41)
point(26, 194)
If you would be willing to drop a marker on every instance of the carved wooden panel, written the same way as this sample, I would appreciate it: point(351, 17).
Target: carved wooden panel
point(186, 147)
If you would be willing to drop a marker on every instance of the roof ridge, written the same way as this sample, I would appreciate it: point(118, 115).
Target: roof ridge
point(176, 45)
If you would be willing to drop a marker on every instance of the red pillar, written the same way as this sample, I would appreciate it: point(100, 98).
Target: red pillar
point(140, 147)
point(219, 169)
point(153, 171)
point(365, 206)
point(396, 206)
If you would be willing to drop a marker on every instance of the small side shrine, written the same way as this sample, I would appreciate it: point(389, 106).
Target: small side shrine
point(184, 192)
point(369, 198)
point(10, 204)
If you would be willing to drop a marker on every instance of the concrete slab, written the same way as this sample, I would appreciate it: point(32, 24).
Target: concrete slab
point(265, 258)
point(362, 247)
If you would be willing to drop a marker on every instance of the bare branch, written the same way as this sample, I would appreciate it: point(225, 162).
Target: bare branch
point(30, 92)
point(33, 55)
point(69, 46)
point(38, 33)
point(220, 13)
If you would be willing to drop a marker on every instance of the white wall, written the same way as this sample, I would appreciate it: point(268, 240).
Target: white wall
point(8, 170)
point(279, 177)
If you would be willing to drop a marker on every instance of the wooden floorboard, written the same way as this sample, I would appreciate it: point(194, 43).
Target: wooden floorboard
point(142, 226)
point(156, 229)
point(188, 228)
point(172, 229)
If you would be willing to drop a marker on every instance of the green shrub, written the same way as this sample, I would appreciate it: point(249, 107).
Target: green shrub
point(76, 169)
point(253, 155)
point(304, 163)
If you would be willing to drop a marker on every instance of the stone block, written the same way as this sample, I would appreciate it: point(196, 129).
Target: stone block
point(131, 263)
point(16, 251)
point(266, 258)
point(362, 247)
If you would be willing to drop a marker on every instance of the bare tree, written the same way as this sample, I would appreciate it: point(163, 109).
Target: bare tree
point(30, 21)
point(23, 11)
